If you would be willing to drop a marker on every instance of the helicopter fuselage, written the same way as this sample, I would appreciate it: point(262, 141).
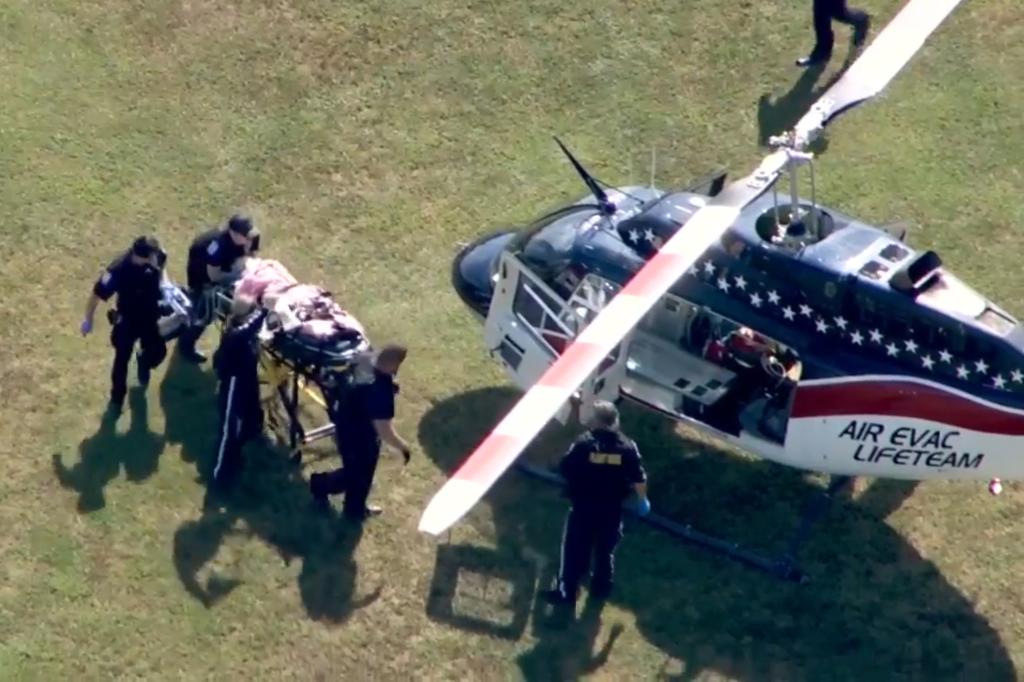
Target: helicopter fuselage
point(821, 342)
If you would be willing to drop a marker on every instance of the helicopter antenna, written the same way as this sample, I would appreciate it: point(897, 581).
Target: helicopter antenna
point(607, 207)
point(653, 162)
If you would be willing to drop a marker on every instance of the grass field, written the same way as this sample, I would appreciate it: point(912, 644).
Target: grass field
point(370, 139)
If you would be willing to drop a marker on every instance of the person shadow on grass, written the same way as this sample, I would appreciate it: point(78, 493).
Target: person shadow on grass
point(102, 455)
point(269, 501)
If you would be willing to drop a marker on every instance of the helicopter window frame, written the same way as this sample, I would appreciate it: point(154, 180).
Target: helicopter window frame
point(535, 307)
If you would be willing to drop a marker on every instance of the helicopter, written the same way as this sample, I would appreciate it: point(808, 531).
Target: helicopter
point(788, 329)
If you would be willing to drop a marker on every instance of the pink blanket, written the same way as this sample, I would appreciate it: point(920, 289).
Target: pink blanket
point(302, 308)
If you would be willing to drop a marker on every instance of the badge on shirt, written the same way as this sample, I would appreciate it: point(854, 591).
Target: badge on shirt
point(105, 279)
point(212, 248)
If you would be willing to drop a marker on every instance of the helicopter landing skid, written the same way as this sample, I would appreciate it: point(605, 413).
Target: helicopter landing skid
point(784, 566)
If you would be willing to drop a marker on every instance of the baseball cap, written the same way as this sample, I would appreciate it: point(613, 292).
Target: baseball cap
point(242, 224)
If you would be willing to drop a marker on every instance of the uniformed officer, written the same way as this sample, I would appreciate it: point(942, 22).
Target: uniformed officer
point(236, 362)
point(135, 277)
point(362, 414)
point(601, 470)
point(214, 256)
point(825, 11)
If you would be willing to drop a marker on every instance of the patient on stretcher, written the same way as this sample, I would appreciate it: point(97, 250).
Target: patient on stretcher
point(302, 309)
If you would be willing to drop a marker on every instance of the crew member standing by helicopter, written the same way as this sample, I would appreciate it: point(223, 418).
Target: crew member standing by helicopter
point(601, 470)
point(825, 11)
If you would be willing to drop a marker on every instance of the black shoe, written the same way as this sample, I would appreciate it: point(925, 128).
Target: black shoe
point(191, 354)
point(321, 501)
point(143, 370)
point(115, 406)
point(557, 598)
point(812, 60)
point(860, 32)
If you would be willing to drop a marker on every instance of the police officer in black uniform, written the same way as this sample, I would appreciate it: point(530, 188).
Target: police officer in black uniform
point(362, 413)
point(601, 470)
point(236, 362)
point(825, 11)
point(135, 277)
point(214, 256)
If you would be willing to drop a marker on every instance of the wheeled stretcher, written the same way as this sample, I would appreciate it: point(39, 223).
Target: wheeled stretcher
point(309, 343)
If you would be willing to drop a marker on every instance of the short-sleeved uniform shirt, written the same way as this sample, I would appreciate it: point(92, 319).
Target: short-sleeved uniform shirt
point(353, 414)
point(137, 287)
point(601, 468)
point(214, 248)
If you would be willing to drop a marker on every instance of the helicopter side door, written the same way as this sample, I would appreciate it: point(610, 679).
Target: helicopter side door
point(529, 325)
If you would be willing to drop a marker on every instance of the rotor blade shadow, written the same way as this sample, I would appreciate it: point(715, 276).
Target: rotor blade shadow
point(778, 115)
point(875, 607)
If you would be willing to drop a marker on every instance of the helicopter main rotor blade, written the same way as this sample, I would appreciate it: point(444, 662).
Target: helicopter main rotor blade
point(898, 42)
point(542, 401)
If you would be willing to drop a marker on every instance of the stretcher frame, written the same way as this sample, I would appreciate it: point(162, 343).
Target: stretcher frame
point(287, 380)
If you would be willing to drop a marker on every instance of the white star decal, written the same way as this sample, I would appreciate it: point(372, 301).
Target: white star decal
point(892, 349)
point(805, 310)
point(741, 283)
point(876, 336)
point(649, 235)
point(911, 346)
point(821, 326)
point(1017, 376)
point(840, 322)
point(945, 356)
point(998, 381)
point(634, 236)
point(857, 338)
point(981, 366)
point(723, 284)
point(773, 297)
point(709, 267)
point(788, 313)
point(962, 372)
point(755, 300)
point(927, 361)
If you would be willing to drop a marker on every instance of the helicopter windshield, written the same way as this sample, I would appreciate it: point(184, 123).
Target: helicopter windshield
point(547, 245)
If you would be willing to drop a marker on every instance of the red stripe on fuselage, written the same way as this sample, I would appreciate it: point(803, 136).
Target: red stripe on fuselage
point(904, 399)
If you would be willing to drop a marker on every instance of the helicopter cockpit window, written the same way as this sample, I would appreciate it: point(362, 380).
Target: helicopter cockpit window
point(547, 247)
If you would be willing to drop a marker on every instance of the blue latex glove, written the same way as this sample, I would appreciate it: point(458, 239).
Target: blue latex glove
point(643, 506)
point(86, 327)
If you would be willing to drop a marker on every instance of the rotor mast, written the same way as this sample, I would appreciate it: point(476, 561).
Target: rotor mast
point(791, 144)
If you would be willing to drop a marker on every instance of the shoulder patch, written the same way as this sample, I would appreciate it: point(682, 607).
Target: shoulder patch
point(212, 248)
point(107, 276)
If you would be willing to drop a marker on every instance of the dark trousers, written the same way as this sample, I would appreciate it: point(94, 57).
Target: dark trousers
point(197, 325)
point(825, 11)
point(123, 337)
point(241, 419)
point(589, 531)
point(354, 478)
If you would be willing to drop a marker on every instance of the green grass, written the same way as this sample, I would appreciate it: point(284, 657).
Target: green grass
point(370, 138)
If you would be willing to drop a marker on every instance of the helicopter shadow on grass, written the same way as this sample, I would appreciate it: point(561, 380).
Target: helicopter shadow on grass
point(269, 501)
point(777, 115)
point(102, 456)
point(875, 608)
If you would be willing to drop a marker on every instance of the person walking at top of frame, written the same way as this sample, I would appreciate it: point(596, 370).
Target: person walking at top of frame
point(135, 277)
point(601, 470)
point(362, 414)
point(214, 256)
point(825, 11)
